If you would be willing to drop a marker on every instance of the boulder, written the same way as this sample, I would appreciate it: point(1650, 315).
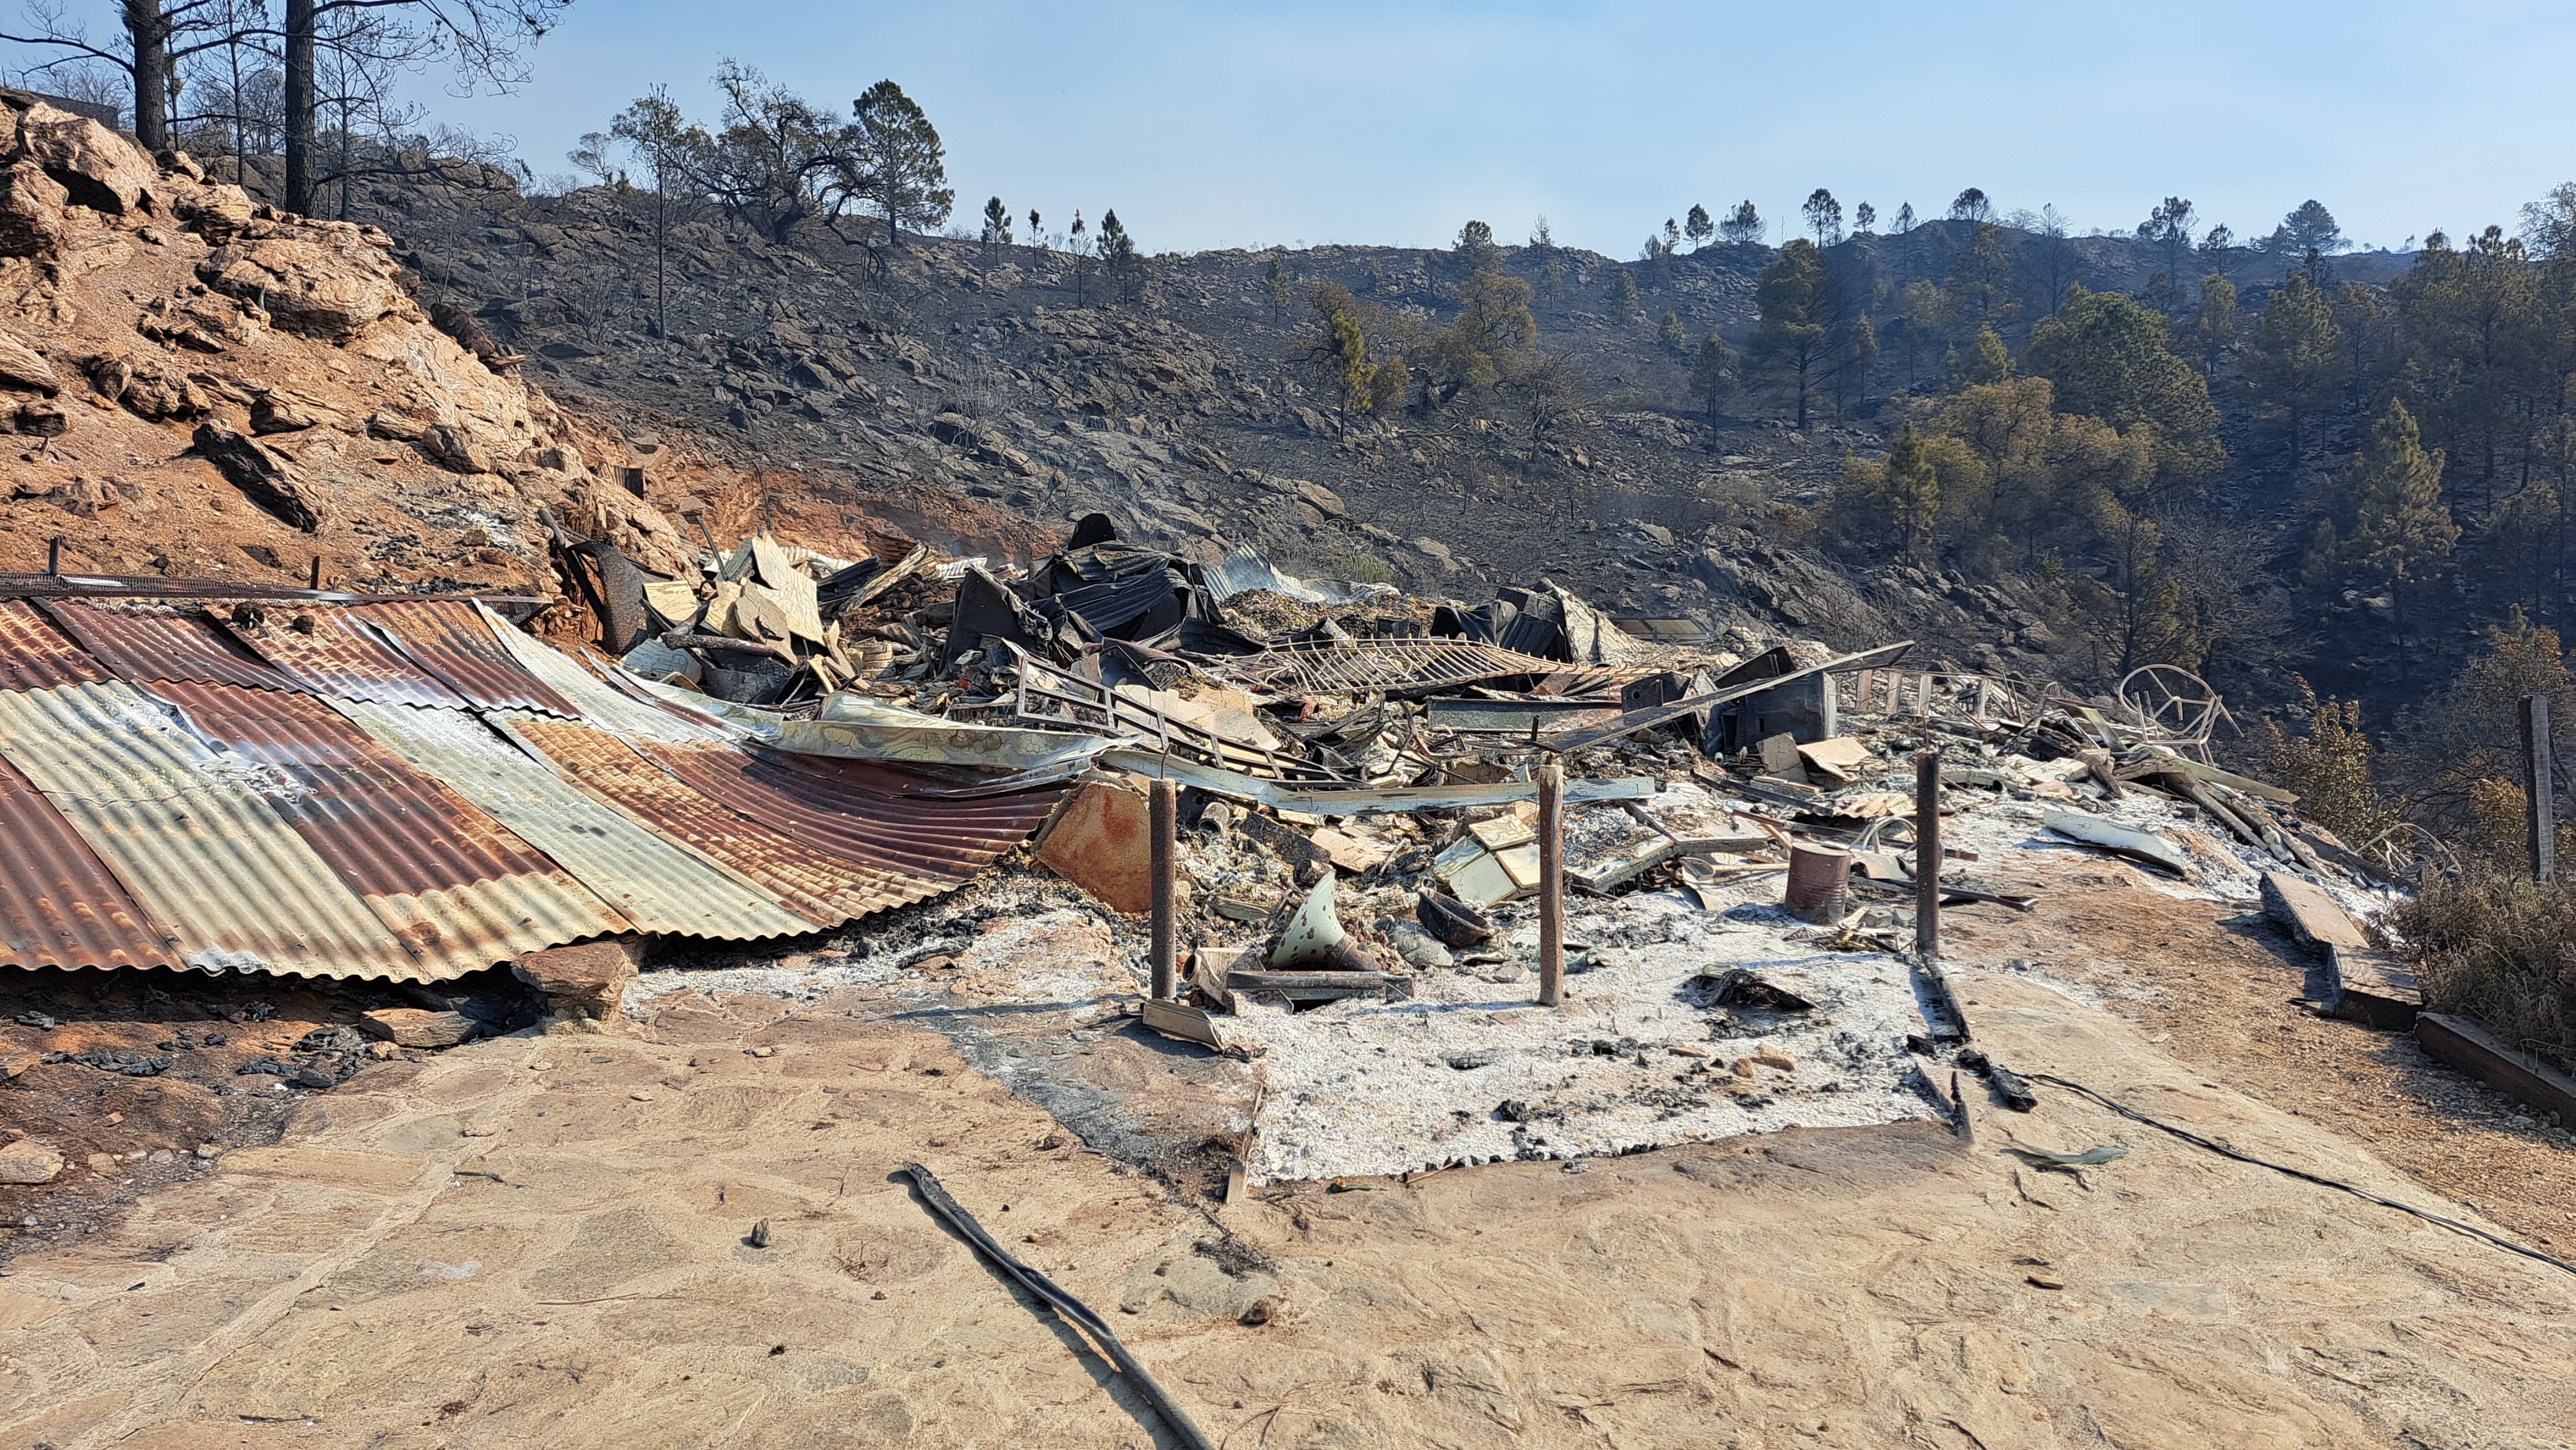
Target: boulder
point(588, 980)
point(277, 486)
point(22, 367)
point(31, 210)
point(98, 168)
point(1325, 501)
point(418, 1027)
point(316, 282)
point(28, 1161)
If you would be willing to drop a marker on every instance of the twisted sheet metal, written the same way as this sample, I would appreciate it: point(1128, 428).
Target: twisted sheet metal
point(36, 656)
point(59, 904)
point(448, 638)
point(343, 657)
point(814, 884)
point(857, 811)
point(595, 701)
point(146, 646)
point(1400, 663)
point(457, 887)
point(659, 885)
point(192, 834)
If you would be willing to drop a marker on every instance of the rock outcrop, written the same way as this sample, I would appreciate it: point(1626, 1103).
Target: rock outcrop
point(265, 387)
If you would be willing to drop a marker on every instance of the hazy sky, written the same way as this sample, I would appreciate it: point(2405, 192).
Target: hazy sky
point(1216, 124)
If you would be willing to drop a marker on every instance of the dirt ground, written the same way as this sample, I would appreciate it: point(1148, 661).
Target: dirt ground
point(545, 1240)
point(2221, 989)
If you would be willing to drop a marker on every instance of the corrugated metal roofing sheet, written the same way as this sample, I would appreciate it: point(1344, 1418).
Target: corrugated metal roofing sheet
point(336, 653)
point(599, 704)
point(145, 646)
point(448, 637)
point(813, 883)
point(857, 811)
point(660, 885)
point(456, 886)
point(192, 834)
point(36, 656)
point(59, 904)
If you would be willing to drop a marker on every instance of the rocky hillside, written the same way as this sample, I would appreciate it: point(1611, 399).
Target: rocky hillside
point(197, 385)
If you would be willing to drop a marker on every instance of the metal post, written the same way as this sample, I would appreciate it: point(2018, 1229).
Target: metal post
point(54, 555)
point(1166, 804)
point(2539, 791)
point(1927, 855)
point(317, 574)
point(1551, 884)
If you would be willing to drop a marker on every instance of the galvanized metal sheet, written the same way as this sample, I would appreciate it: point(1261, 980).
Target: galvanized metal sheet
point(36, 656)
point(448, 638)
point(193, 836)
point(857, 811)
point(660, 885)
point(813, 883)
point(460, 889)
point(59, 904)
point(146, 645)
point(334, 652)
point(596, 702)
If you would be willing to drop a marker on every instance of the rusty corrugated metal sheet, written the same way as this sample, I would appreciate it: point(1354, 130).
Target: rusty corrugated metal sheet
point(595, 700)
point(334, 652)
point(191, 833)
point(457, 887)
point(448, 638)
point(660, 885)
point(36, 656)
point(149, 645)
point(857, 812)
point(59, 904)
point(814, 883)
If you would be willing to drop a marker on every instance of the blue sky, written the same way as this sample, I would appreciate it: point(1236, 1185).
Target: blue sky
point(1217, 124)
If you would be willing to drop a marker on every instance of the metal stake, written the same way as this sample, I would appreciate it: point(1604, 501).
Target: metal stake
point(54, 555)
point(1166, 808)
point(1927, 855)
point(2539, 791)
point(1551, 884)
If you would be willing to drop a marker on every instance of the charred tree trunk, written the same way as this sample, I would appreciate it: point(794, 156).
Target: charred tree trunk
point(300, 45)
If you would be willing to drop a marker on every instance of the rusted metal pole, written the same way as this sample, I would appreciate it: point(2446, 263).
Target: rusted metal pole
point(1927, 855)
point(1551, 884)
point(1167, 808)
point(2538, 789)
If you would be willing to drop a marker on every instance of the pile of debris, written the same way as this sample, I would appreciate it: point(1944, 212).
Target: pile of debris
point(1341, 752)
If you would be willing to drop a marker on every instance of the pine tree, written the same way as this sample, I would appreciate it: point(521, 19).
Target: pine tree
point(1712, 379)
point(1983, 361)
point(1904, 218)
point(1864, 216)
point(1742, 227)
point(1788, 345)
point(1119, 257)
point(2294, 357)
point(2404, 531)
point(1698, 227)
point(2169, 226)
point(997, 226)
point(1670, 334)
point(1475, 250)
point(2213, 322)
point(1908, 489)
point(1274, 279)
point(1623, 296)
point(1824, 217)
